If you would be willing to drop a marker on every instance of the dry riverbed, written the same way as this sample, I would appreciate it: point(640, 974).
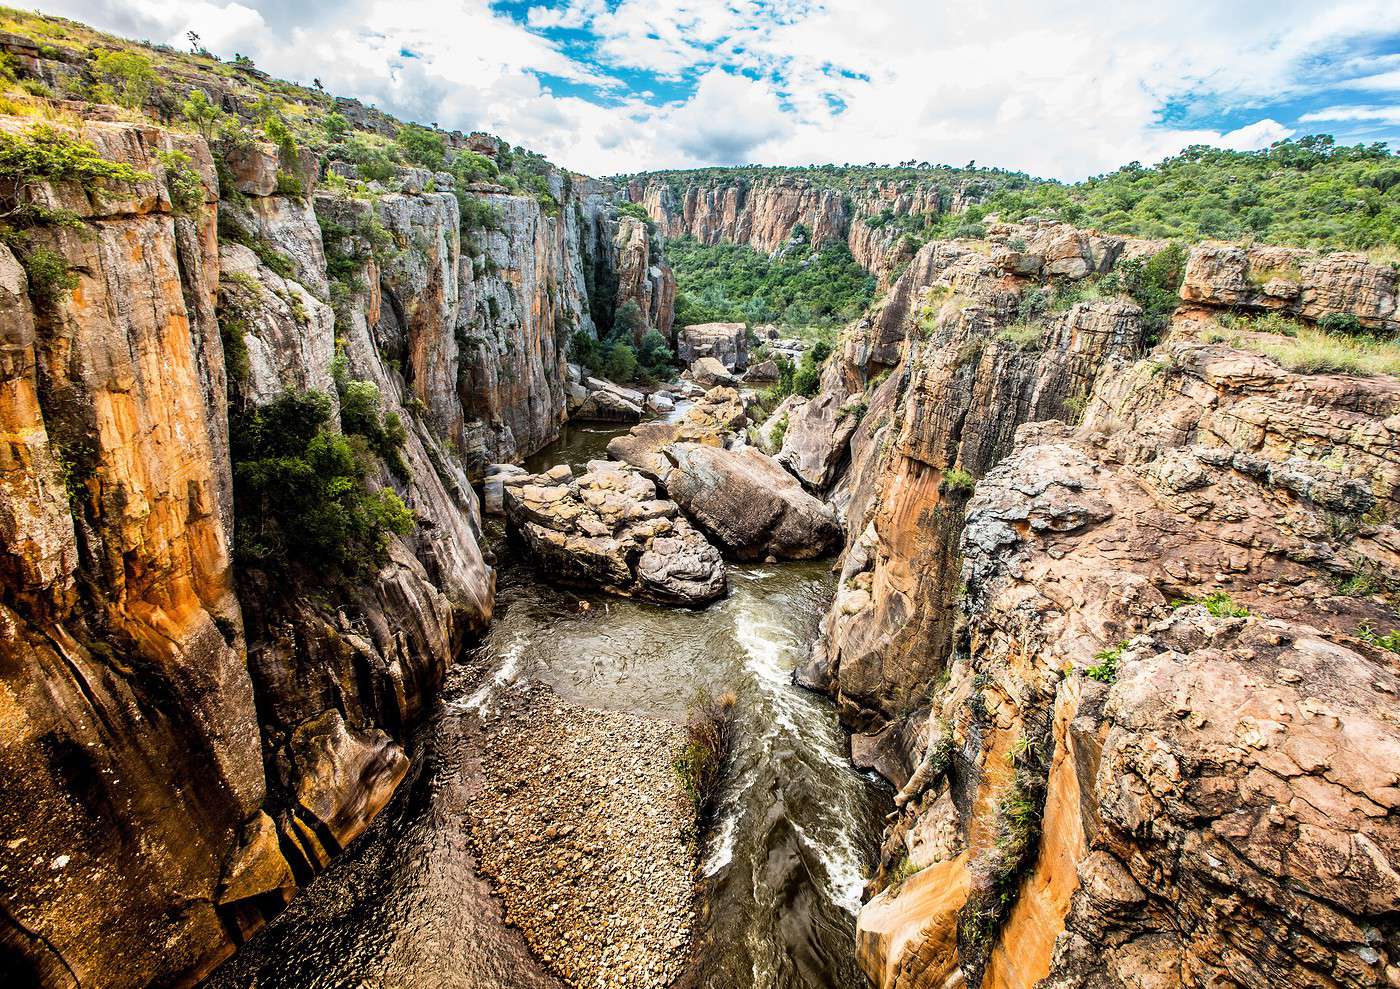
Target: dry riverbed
point(584, 829)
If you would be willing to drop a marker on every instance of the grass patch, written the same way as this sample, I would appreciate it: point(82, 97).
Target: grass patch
point(1219, 604)
point(701, 762)
point(1024, 336)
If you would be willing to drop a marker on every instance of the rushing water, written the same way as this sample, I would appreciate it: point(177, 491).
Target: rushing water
point(796, 829)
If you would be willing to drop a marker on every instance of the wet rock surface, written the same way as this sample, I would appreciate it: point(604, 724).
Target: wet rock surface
point(583, 827)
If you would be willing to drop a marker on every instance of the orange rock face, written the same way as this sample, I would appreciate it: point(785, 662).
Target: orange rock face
point(128, 712)
point(1102, 783)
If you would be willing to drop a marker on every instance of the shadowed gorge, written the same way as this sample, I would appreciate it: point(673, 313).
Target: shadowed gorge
point(426, 566)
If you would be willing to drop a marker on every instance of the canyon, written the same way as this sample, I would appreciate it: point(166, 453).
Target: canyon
point(1058, 616)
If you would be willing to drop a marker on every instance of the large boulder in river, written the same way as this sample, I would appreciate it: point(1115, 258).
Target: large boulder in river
point(748, 504)
point(763, 371)
point(608, 529)
point(714, 420)
point(816, 444)
point(725, 342)
point(609, 403)
point(708, 372)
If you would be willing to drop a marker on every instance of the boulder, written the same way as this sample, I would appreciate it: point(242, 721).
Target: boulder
point(627, 394)
point(762, 371)
point(660, 402)
point(708, 372)
point(748, 504)
point(493, 487)
point(608, 529)
point(726, 342)
point(254, 167)
point(606, 405)
point(774, 429)
point(815, 445)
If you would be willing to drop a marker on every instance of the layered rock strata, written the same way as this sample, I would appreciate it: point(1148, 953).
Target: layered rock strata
point(1136, 673)
point(200, 736)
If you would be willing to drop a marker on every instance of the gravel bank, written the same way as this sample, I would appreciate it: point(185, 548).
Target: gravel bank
point(583, 828)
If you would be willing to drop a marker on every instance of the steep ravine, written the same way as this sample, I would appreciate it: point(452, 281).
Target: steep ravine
point(781, 871)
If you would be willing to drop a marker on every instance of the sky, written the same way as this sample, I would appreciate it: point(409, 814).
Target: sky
point(1060, 90)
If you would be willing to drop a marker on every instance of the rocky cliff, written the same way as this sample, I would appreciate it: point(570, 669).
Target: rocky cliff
point(191, 728)
point(1128, 674)
point(871, 215)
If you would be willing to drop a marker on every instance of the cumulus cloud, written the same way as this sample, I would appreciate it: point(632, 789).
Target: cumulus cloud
point(1057, 90)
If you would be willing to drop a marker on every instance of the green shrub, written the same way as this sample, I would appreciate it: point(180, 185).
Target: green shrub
point(619, 362)
point(202, 115)
point(422, 146)
point(468, 167)
point(1218, 604)
point(182, 182)
point(336, 126)
point(300, 492)
point(778, 433)
point(289, 185)
point(1389, 640)
point(476, 213)
point(1106, 670)
point(700, 765)
point(958, 481)
point(1340, 323)
point(361, 414)
point(128, 76)
point(628, 322)
point(654, 353)
point(637, 211)
point(48, 274)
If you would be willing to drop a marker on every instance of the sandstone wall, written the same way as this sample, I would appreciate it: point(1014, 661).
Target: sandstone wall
point(187, 739)
point(1102, 784)
point(764, 213)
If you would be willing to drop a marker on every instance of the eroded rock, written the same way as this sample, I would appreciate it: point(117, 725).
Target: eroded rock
point(752, 507)
point(607, 528)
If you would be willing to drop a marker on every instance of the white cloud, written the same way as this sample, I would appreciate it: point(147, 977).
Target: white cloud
point(1378, 114)
point(1259, 134)
point(1058, 90)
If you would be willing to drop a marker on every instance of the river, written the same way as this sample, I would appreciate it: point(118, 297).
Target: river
point(795, 831)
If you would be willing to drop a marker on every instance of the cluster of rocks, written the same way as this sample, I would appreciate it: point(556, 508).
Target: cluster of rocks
point(715, 419)
point(593, 399)
point(582, 825)
point(607, 528)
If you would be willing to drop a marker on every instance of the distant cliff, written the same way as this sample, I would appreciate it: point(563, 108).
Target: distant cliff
point(871, 210)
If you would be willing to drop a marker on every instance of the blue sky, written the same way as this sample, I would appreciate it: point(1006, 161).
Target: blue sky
point(601, 86)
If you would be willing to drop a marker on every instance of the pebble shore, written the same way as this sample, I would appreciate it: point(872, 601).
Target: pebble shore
point(583, 828)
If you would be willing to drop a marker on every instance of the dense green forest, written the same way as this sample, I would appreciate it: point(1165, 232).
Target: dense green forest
point(733, 283)
point(850, 178)
point(1308, 192)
